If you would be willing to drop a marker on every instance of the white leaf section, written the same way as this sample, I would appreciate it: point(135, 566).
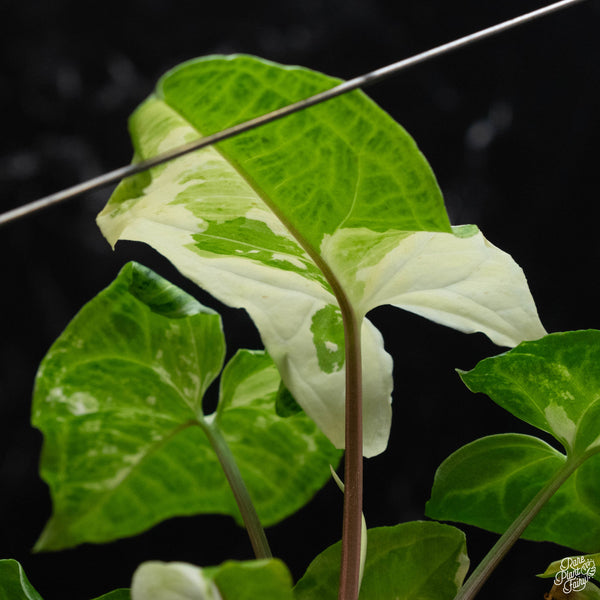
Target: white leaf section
point(201, 213)
point(282, 305)
point(463, 282)
point(157, 580)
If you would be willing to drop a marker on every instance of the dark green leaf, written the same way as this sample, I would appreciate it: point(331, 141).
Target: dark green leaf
point(285, 404)
point(14, 584)
point(488, 483)
point(411, 561)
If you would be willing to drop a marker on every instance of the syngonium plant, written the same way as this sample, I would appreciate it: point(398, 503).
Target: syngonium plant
point(308, 223)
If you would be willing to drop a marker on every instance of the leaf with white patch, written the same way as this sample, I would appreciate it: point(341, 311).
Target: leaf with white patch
point(332, 206)
point(119, 398)
point(553, 384)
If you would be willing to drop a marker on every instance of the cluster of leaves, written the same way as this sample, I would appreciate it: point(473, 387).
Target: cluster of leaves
point(307, 223)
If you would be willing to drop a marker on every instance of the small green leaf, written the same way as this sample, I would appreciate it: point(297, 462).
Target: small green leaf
point(14, 584)
point(119, 400)
point(420, 559)
point(285, 404)
point(283, 460)
point(588, 564)
point(552, 383)
point(232, 581)
point(489, 482)
point(331, 206)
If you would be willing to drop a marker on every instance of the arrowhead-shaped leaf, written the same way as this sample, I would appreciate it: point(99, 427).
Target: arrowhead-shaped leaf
point(489, 482)
point(333, 205)
point(554, 384)
point(119, 400)
point(419, 559)
point(232, 580)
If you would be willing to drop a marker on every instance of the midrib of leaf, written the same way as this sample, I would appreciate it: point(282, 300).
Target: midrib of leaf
point(317, 259)
point(518, 526)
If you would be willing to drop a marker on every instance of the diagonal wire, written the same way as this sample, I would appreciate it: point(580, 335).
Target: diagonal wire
point(347, 86)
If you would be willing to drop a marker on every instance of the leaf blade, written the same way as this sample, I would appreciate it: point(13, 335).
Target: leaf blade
point(261, 221)
point(424, 557)
point(488, 482)
point(125, 444)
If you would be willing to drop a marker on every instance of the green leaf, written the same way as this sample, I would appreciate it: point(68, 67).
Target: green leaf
point(589, 592)
point(552, 383)
point(489, 482)
point(121, 594)
point(587, 564)
point(332, 205)
point(411, 561)
point(232, 580)
point(14, 584)
point(285, 404)
point(119, 400)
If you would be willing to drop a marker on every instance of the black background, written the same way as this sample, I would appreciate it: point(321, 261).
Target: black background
point(510, 127)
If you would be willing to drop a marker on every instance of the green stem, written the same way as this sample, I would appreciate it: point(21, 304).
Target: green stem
point(256, 533)
point(491, 560)
point(353, 469)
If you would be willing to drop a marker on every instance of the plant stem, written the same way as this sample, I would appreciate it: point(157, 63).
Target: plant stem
point(353, 469)
point(491, 560)
point(255, 530)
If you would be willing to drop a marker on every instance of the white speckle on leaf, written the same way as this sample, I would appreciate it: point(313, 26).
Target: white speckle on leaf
point(83, 404)
point(79, 403)
point(560, 423)
point(151, 400)
point(331, 346)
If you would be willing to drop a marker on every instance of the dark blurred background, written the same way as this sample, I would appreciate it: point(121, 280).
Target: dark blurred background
point(510, 127)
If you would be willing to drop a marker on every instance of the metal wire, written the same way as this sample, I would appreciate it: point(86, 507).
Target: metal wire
point(347, 86)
